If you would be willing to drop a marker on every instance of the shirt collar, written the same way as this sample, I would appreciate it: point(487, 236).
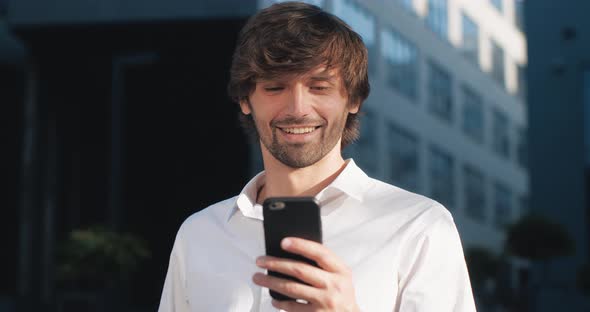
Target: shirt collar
point(351, 182)
point(246, 201)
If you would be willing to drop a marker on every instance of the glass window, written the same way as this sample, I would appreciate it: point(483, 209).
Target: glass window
point(501, 142)
point(474, 191)
point(470, 40)
point(497, 4)
point(437, 18)
point(403, 153)
point(522, 88)
point(363, 22)
point(407, 4)
point(522, 148)
point(363, 150)
point(503, 205)
point(498, 63)
point(442, 182)
point(402, 63)
point(519, 14)
point(473, 115)
point(440, 96)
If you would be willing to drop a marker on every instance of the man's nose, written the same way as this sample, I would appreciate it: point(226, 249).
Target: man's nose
point(299, 103)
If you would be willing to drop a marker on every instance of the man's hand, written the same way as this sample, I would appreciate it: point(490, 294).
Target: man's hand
point(330, 286)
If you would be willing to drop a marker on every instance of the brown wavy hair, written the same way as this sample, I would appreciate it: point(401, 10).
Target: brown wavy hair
point(294, 38)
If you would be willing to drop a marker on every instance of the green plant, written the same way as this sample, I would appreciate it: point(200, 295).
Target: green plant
point(537, 238)
point(482, 264)
point(98, 257)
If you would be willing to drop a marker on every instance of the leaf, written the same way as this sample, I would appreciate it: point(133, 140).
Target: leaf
point(537, 238)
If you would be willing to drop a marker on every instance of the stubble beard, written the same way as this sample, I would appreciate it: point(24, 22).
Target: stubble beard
point(303, 155)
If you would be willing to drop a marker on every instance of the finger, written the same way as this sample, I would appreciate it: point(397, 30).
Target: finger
point(323, 256)
point(303, 271)
point(291, 306)
point(287, 287)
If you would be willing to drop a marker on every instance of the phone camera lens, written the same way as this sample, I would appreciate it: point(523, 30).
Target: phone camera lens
point(277, 206)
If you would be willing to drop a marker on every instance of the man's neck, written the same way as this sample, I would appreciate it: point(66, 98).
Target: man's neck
point(282, 180)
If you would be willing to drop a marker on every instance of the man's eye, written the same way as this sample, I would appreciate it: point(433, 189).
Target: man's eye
point(319, 88)
point(273, 89)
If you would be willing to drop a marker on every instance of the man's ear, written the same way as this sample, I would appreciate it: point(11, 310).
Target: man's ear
point(354, 108)
point(245, 106)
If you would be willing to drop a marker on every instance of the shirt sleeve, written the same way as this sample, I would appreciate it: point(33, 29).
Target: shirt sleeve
point(433, 274)
point(174, 298)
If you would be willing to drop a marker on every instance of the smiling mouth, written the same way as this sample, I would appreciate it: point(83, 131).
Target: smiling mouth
point(299, 130)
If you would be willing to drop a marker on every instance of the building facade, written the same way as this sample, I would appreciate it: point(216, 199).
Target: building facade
point(559, 93)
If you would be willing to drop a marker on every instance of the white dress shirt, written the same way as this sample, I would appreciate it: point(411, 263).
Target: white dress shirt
point(403, 249)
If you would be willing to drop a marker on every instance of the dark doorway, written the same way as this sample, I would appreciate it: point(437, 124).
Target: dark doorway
point(11, 121)
point(182, 147)
point(146, 135)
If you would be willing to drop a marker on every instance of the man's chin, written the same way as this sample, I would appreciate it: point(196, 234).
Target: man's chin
point(298, 159)
point(297, 164)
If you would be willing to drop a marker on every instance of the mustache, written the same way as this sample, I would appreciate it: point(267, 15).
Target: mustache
point(290, 121)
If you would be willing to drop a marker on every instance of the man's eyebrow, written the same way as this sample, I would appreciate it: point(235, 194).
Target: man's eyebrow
point(271, 80)
point(328, 78)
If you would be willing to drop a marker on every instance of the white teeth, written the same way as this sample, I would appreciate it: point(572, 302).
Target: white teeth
point(298, 130)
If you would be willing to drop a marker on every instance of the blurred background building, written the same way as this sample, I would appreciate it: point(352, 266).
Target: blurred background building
point(447, 115)
point(559, 110)
point(117, 115)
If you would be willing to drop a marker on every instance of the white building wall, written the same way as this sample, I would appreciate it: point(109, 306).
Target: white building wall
point(429, 128)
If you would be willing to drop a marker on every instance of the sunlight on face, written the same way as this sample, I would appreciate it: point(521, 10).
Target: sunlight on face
point(300, 118)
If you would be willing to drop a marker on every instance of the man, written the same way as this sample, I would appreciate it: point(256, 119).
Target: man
point(299, 75)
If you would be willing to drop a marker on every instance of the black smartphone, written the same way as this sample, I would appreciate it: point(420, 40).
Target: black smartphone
point(290, 217)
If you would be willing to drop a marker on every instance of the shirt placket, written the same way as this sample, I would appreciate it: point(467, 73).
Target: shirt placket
point(265, 304)
point(265, 301)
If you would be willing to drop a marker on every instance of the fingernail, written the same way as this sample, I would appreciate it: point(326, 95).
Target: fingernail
point(260, 261)
point(286, 243)
point(256, 277)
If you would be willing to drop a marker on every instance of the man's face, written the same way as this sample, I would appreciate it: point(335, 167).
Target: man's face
point(300, 118)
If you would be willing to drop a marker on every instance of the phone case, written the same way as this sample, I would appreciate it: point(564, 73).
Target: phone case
point(290, 217)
